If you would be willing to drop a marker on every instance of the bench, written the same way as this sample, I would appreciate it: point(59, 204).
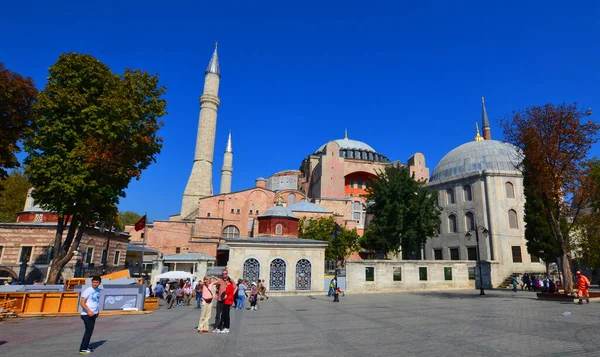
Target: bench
point(7, 309)
point(555, 297)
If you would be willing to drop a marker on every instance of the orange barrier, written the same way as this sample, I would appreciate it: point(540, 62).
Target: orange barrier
point(151, 303)
point(42, 302)
point(117, 275)
point(73, 282)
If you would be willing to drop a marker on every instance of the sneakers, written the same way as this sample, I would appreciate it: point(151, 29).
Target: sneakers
point(85, 352)
point(225, 330)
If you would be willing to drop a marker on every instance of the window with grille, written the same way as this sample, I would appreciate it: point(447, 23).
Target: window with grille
point(397, 274)
point(468, 193)
point(104, 257)
point(437, 254)
point(279, 229)
point(89, 255)
point(454, 254)
point(447, 273)
point(358, 213)
point(369, 273)
point(117, 256)
point(512, 219)
point(231, 232)
point(25, 255)
point(471, 273)
point(516, 254)
point(470, 221)
point(510, 190)
point(452, 227)
point(423, 273)
point(450, 196)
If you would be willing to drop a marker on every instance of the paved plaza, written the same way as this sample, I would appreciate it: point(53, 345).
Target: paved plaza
point(456, 323)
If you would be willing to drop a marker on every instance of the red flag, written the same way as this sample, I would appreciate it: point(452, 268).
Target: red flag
point(139, 225)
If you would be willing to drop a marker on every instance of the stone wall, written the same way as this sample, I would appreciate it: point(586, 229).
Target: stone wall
point(383, 275)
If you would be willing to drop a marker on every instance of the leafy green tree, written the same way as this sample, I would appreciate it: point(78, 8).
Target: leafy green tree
point(128, 218)
point(95, 132)
point(323, 228)
point(404, 213)
point(13, 196)
point(17, 95)
point(587, 230)
point(556, 141)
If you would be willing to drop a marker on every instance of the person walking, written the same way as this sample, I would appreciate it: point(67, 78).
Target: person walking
point(253, 296)
point(207, 295)
point(198, 292)
point(187, 293)
point(159, 290)
point(241, 295)
point(583, 286)
point(89, 312)
point(227, 302)
point(515, 283)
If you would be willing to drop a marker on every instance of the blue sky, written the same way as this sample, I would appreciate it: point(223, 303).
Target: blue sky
point(401, 76)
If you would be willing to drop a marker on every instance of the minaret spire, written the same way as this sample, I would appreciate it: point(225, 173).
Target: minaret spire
point(477, 136)
point(200, 181)
point(346, 134)
point(227, 168)
point(487, 134)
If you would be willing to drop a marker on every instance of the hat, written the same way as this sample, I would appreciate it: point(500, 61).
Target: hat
point(253, 283)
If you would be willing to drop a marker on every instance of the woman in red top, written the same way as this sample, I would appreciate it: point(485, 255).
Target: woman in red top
point(227, 301)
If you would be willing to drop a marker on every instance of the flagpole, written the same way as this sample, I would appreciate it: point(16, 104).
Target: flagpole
point(144, 241)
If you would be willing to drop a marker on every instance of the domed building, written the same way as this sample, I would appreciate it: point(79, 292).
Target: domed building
point(337, 174)
point(479, 185)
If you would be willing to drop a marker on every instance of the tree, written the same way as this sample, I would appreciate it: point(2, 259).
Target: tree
point(17, 95)
point(13, 196)
point(556, 143)
point(96, 131)
point(587, 230)
point(128, 218)
point(323, 228)
point(405, 213)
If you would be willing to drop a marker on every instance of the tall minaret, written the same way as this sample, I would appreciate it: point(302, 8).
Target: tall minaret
point(200, 182)
point(227, 168)
point(487, 134)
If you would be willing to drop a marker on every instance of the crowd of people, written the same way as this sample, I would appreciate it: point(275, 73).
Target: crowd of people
point(222, 292)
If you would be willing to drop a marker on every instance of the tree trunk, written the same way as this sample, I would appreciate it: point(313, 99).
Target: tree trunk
point(567, 274)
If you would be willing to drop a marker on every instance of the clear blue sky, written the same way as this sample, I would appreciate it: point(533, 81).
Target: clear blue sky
point(401, 76)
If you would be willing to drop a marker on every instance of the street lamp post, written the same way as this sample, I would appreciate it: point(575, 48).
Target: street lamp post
point(336, 231)
point(485, 232)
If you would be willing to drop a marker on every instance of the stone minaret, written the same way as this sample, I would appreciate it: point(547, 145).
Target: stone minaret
point(227, 168)
point(487, 134)
point(200, 182)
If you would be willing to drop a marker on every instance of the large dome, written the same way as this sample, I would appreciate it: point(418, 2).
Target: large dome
point(476, 156)
point(354, 149)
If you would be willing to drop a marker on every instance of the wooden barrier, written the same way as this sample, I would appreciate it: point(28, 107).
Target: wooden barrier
point(43, 302)
point(151, 303)
point(73, 282)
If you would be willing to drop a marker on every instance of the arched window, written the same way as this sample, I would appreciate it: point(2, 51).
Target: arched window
point(277, 275)
point(512, 219)
point(452, 227)
point(303, 275)
point(251, 270)
point(468, 193)
point(279, 229)
point(360, 183)
point(450, 196)
point(358, 213)
point(231, 232)
point(510, 190)
point(470, 221)
point(291, 199)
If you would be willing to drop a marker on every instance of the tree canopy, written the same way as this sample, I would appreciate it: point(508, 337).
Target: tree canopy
point(404, 213)
point(13, 195)
point(555, 141)
point(323, 228)
point(128, 218)
point(17, 95)
point(96, 130)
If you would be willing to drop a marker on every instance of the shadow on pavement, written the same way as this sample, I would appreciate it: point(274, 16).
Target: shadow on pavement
point(95, 345)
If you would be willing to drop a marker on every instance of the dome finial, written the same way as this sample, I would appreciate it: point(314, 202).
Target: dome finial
point(477, 137)
point(346, 133)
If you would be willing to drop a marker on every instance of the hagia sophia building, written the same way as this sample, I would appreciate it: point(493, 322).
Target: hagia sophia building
point(255, 231)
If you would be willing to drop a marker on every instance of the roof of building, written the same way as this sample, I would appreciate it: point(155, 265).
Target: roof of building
point(188, 257)
point(348, 148)
point(138, 249)
point(275, 240)
point(349, 144)
point(279, 211)
point(476, 156)
point(305, 206)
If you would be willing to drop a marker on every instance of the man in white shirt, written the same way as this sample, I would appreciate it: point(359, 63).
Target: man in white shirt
point(89, 312)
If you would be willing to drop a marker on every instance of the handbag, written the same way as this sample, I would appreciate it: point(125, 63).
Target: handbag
point(209, 300)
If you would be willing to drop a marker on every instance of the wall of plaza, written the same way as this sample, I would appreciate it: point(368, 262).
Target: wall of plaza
point(375, 276)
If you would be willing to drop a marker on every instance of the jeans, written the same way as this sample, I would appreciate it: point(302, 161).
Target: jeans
point(89, 322)
point(199, 299)
point(241, 302)
point(225, 317)
point(219, 316)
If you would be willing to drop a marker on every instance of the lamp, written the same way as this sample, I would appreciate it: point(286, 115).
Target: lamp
point(468, 235)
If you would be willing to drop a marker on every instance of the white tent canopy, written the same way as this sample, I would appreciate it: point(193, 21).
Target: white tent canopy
point(175, 275)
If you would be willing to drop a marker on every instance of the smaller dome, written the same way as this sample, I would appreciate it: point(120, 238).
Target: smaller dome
point(279, 211)
point(305, 206)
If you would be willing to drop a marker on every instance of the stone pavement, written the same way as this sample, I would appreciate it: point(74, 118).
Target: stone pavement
point(456, 323)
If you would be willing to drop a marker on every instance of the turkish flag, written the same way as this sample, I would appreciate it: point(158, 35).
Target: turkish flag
point(139, 225)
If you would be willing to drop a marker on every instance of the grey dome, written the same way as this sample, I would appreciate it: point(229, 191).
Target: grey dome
point(476, 156)
point(354, 149)
point(349, 144)
point(279, 211)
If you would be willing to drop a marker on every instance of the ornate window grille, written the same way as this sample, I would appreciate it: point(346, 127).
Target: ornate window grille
point(231, 232)
point(277, 275)
point(303, 275)
point(251, 270)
